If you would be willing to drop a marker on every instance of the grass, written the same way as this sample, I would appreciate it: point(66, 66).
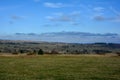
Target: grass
point(59, 68)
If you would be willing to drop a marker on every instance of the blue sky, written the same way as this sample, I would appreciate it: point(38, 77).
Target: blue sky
point(42, 16)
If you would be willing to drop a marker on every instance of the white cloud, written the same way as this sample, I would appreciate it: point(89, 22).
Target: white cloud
point(51, 18)
point(99, 9)
point(115, 11)
point(63, 18)
point(75, 23)
point(103, 18)
point(53, 5)
point(75, 13)
point(15, 17)
point(99, 18)
point(56, 5)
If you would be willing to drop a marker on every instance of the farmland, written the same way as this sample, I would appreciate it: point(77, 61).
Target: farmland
point(59, 67)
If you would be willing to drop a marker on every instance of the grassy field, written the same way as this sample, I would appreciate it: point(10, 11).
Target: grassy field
point(59, 67)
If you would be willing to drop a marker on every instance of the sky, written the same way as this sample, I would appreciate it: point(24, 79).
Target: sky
point(43, 16)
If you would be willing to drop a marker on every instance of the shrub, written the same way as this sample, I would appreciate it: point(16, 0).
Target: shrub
point(40, 52)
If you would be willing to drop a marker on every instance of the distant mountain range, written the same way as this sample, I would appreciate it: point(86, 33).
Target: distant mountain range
point(67, 37)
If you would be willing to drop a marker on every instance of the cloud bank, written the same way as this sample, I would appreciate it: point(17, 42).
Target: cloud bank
point(67, 37)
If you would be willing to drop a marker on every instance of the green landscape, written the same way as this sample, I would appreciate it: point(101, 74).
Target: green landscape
point(26, 60)
point(83, 67)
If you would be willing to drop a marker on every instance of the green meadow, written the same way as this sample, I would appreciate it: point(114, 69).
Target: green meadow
point(60, 67)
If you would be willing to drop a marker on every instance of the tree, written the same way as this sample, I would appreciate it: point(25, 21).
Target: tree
point(21, 51)
point(40, 52)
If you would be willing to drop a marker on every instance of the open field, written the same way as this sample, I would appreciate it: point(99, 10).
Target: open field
point(59, 67)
